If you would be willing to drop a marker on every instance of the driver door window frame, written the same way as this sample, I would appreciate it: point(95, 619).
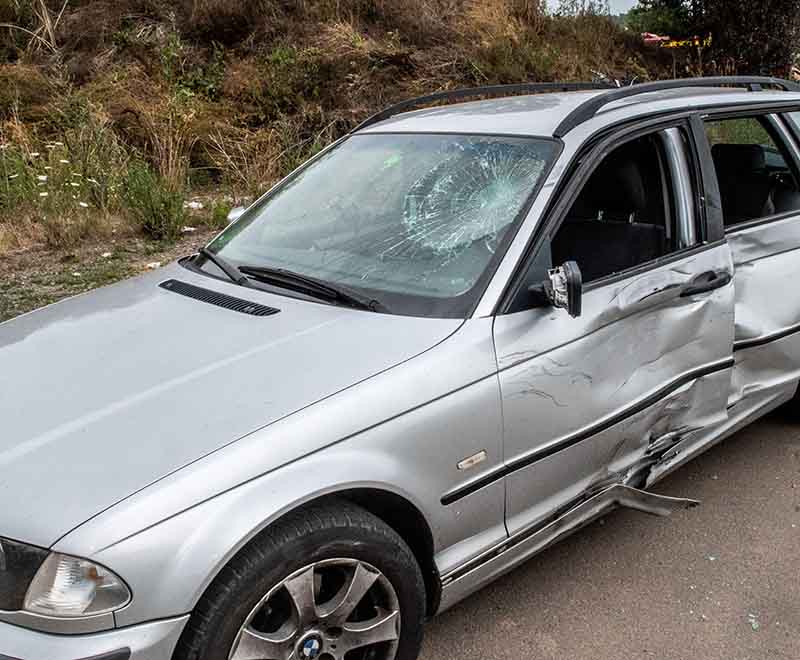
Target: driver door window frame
point(708, 225)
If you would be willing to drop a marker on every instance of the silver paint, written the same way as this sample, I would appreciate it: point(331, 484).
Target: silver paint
point(135, 382)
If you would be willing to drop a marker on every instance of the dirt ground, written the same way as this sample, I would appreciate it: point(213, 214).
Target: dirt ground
point(38, 276)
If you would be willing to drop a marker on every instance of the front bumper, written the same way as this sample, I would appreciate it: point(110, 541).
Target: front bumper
point(148, 641)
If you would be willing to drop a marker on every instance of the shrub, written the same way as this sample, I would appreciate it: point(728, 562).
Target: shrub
point(170, 137)
point(154, 204)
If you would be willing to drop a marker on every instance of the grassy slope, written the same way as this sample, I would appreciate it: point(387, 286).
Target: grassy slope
point(246, 90)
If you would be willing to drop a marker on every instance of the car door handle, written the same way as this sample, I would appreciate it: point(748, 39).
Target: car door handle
point(705, 282)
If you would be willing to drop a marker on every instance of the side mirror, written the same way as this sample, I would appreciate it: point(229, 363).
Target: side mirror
point(563, 288)
point(235, 213)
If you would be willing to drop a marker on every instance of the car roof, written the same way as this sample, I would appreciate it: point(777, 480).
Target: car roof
point(540, 114)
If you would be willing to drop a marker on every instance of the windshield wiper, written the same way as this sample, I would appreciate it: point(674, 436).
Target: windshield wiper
point(225, 266)
point(312, 286)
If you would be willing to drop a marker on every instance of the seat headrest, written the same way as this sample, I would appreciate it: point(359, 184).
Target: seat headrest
point(739, 157)
point(617, 189)
point(785, 199)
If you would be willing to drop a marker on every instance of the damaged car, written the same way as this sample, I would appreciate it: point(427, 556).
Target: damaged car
point(453, 337)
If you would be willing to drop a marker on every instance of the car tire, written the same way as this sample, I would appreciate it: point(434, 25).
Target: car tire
point(338, 548)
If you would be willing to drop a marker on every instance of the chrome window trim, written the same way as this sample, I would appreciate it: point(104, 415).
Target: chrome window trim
point(681, 175)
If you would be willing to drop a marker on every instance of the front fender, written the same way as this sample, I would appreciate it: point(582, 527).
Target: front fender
point(169, 563)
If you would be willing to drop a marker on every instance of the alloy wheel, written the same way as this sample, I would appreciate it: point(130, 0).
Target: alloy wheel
point(336, 609)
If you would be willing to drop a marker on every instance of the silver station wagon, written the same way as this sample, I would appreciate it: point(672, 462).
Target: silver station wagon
point(452, 338)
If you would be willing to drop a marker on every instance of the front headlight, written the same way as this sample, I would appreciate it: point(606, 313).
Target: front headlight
point(69, 587)
point(37, 581)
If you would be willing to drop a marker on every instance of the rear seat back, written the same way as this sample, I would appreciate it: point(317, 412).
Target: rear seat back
point(745, 185)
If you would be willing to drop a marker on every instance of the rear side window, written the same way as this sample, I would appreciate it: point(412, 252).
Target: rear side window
point(753, 169)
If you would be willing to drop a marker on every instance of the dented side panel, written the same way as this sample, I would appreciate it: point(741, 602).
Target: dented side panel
point(767, 311)
point(599, 399)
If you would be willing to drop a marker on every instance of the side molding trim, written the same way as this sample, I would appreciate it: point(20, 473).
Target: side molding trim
point(545, 452)
point(766, 339)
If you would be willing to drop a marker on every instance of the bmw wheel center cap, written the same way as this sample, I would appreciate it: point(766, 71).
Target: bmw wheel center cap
point(311, 647)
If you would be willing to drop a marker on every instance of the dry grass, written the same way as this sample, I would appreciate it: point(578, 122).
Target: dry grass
point(170, 138)
point(43, 33)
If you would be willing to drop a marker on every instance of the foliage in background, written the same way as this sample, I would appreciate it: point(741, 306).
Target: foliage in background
point(60, 187)
point(665, 17)
point(748, 37)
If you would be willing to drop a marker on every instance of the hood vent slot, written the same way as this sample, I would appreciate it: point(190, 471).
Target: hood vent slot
point(218, 299)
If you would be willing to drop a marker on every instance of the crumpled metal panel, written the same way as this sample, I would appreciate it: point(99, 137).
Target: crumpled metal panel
point(561, 377)
point(767, 306)
point(767, 292)
point(769, 368)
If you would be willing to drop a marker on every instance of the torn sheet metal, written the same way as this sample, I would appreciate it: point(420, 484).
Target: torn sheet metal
point(531, 541)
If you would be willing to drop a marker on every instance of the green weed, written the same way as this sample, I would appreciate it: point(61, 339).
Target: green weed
point(153, 203)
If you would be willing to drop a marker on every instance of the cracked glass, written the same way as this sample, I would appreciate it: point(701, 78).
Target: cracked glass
point(413, 220)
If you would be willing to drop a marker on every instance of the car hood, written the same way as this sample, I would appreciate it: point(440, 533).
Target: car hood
point(103, 394)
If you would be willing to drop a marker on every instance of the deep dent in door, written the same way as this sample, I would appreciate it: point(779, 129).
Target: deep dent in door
point(679, 349)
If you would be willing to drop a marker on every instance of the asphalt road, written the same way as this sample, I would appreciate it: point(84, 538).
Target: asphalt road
point(721, 581)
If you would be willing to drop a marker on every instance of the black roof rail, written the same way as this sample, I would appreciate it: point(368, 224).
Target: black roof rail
point(492, 90)
point(590, 107)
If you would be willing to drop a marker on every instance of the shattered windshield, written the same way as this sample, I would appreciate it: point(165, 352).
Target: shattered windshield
point(414, 221)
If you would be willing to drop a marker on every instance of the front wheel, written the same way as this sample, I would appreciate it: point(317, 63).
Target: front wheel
point(330, 582)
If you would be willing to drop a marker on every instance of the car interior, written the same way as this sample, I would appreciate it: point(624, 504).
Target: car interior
point(754, 177)
point(623, 215)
